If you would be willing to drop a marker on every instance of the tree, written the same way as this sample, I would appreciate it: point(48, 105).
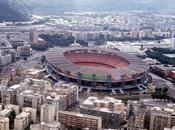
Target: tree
point(1, 67)
point(43, 58)
point(164, 96)
point(159, 90)
point(153, 95)
point(160, 94)
point(156, 89)
point(142, 47)
point(11, 117)
point(165, 90)
point(173, 100)
point(168, 98)
point(82, 42)
point(25, 58)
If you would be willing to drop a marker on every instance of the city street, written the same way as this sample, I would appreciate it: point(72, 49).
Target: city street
point(161, 83)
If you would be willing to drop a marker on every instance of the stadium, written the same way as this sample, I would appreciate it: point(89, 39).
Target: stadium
point(97, 69)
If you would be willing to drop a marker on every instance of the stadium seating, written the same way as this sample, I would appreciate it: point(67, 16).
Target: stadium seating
point(95, 59)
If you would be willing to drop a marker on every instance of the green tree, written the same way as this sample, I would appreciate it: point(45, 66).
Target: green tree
point(164, 96)
point(153, 95)
point(159, 90)
point(11, 117)
point(168, 98)
point(165, 90)
point(161, 94)
point(43, 58)
point(156, 89)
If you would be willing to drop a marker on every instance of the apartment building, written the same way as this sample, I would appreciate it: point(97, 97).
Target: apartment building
point(77, 120)
point(47, 113)
point(162, 118)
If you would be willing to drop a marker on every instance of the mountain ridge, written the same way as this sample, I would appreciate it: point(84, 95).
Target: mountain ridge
point(12, 10)
point(58, 6)
point(21, 10)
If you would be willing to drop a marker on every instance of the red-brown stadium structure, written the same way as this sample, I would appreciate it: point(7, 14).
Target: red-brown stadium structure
point(97, 68)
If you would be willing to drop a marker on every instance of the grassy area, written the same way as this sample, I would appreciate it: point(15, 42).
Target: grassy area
point(87, 76)
point(101, 77)
point(90, 76)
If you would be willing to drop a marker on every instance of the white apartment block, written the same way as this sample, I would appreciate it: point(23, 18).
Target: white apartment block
point(54, 125)
point(29, 98)
point(22, 121)
point(32, 112)
point(5, 59)
point(47, 113)
point(161, 118)
point(4, 123)
point(58, 101)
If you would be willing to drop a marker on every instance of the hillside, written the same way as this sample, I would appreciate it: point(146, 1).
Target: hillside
point(58, 6)
point(11, 10)
point(17, 10)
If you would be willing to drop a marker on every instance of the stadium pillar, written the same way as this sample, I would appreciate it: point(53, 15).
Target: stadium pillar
point(123, 81)
point(143, 79)
point(123, 84)
point(93, 84)
point(135, 82)
point(79, 82)
point(109, 78)
point(109, 84)
point(66, 79)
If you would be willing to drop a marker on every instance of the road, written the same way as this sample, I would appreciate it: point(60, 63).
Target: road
point(161, 83)
point(31, 62)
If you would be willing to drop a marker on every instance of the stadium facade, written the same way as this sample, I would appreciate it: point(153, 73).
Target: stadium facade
point(99, 69)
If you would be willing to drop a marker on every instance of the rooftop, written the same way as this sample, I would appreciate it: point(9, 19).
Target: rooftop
point(5, 112)
point(53, 124)
point(22, 115)
point(96, 104)
point(163, 109)
point(28, 109)
point(6, 119)
point(15, 86)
